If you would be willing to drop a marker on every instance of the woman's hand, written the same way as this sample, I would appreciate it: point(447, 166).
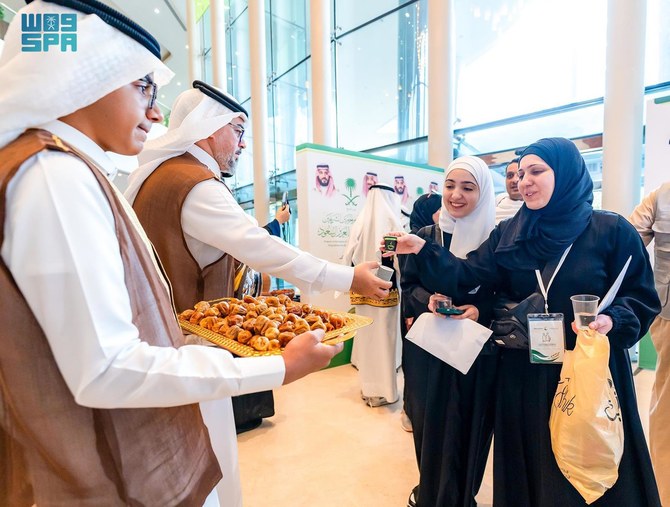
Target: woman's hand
point(407, 244)
point(603, 324)
point(471, 312)
point(434, 298)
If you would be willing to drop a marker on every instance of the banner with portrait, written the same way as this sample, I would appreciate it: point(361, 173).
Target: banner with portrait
point(332, 188)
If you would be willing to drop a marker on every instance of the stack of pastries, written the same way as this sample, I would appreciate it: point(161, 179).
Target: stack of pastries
point(263, 323)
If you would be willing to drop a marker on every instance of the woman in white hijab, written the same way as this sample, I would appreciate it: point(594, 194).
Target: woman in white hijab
point(452, 413)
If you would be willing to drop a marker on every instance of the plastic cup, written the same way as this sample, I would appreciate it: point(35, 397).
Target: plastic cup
point(585, 307)
point(443, 303)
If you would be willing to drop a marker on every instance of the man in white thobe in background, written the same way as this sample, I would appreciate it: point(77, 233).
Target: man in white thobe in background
point(377, 348)
point(509, 203)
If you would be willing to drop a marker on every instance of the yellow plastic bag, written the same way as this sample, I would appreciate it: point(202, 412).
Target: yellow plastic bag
point(585, 423)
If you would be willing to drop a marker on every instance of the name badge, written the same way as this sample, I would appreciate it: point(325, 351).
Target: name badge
point(547, 338)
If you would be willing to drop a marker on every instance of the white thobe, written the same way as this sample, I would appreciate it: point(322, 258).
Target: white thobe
point(213, 223)
point(506, 207)
point(61, 248)
point(378, 350)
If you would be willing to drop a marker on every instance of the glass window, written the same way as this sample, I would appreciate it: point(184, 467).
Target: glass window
point(416, 151)
point(516, 57)
point(291, 116)
point(381, 80)
point(352, 13)
point(238, 58)
point(657, 47)
point(571, 124)
point(234, 8)
point(290, 36)
point(205, 29)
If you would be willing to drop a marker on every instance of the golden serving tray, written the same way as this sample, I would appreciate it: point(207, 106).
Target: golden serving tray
point(347, 332)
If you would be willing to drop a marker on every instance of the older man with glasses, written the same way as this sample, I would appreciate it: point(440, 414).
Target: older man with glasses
point(199, 229)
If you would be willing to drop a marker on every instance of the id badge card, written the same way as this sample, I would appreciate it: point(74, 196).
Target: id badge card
point(547, 338)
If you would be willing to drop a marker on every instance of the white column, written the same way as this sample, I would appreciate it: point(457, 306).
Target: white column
point(441, 82)
point(193, 44)
point(624, 103)
point(323, 110)
point(259, 107)
point(218, 27)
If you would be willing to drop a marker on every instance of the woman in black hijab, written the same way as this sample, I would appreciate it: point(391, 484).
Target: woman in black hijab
point(557, 213)
point(423, 212)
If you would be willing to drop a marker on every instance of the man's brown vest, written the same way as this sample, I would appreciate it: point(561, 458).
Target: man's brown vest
point(73, 455)
point(158, 206)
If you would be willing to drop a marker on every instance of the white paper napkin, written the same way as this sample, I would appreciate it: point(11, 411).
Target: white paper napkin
point(611, 294)
point(456, 342)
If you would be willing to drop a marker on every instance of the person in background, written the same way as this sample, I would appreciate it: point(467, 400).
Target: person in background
point(100, 394)
point(282, 215)
point(426, 212)
point(508, 204)
point(377, 348)
point(557, 213)
point(200, 231)
point(651, 218)
point(450, 411)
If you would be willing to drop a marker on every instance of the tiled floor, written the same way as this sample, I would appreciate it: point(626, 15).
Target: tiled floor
point(325, 448)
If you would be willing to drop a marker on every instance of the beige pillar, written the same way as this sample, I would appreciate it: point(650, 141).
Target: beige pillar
point(323, 110)
point(441, 82)
point(193, 45)
point(624, 103)
point(218, 27)
point(259, 107)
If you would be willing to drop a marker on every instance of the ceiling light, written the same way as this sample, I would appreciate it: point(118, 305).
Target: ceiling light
point(157, 10)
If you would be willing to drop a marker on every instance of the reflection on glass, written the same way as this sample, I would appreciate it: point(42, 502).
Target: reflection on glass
point(291, 119)
point(381, 80)
point(657, 46)
point(238, 59)
point(349, 14)
point(511, 61)
point(572, 124)
point(290, 36)
point(234, 8)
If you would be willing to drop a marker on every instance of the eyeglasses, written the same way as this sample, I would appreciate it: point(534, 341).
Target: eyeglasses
point(150, 90)
point(239, 130)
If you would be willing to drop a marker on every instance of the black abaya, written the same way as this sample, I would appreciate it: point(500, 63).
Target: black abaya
point(525, 470)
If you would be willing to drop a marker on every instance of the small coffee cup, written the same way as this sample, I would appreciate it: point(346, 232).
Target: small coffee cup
point(390, 242)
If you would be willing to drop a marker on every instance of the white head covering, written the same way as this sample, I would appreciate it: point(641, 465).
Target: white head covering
point(194, 116)
point(380, 214)
point(469, 232)
point(38, 87)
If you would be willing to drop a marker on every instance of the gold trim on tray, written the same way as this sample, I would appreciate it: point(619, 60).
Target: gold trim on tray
point(347, 332)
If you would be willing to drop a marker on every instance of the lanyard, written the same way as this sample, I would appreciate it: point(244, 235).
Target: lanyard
point(544, 291)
